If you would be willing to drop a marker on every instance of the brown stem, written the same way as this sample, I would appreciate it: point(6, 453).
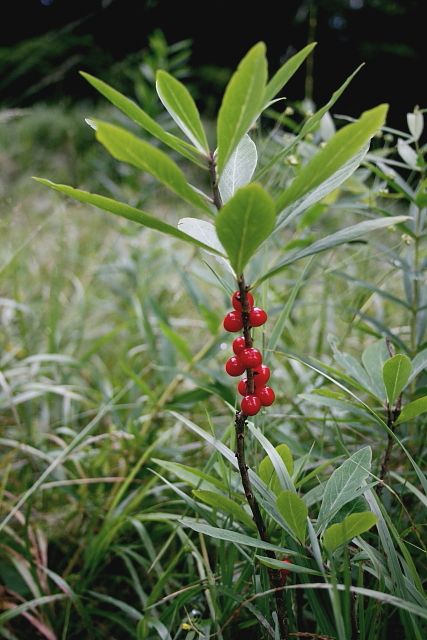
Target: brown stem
point(240, 425)
point(392, 416)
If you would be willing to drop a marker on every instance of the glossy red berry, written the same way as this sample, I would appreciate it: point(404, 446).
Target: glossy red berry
point(261, 375)
point(233, 321)
point(257, 317)
point(250, 405)
point(239, 344)
point(242, 388)
point(250, 357)
point(266, 395)
point(235, 300)
point(234, 367)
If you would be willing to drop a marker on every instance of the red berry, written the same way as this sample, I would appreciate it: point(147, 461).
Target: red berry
point(234, 367)
point(266, 395)
point(284, 572)
point(233, 321)
point(261, 375)
point(257, 317)
point(251, 357)
point(235, 300)
point(241, 387)
point(239, 344)
point(250, 405)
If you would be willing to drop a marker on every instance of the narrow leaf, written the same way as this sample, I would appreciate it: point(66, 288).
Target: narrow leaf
point(244, 223)
point(123, 210)
point(285, 73)
point(396, 372)
point(178, 101)
point(338, 150)
point(343, 484)
point(242, 102)
point(419, 364)
point(126, 147)
point(225, 505)
point(138, 115)
point(353, 525)
point(336, 239)
point(232, 536)
point(373, 358)
point(239, 168)
point(203, 231)
point(289, 566)
point(413, 410)
point(294, 511)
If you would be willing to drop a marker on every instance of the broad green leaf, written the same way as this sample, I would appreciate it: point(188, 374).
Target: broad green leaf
point(138, 115)
point(336, 239)
point(239, 168)
point(203, 231)
point(123, 210)
point(352, 526)
point(413, 410)
point(128, 148)
point(280, 564)
point(243, 223)
point(178, 101)
point(267, 472)
point(294, 511)
point(343, 485)
point(373, 358)
point(345, 144)
point(285, 73)
point(225, 505)
point(232, 536)
point(396, 372)
point(242, 102)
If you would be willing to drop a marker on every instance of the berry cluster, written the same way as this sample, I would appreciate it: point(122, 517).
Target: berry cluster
point(247, 357)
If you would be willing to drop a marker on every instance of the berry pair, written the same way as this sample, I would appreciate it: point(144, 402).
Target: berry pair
point(248, 358)
point(233, 321)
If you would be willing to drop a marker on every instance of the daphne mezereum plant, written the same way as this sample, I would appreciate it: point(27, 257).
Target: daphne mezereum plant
point(233, 220)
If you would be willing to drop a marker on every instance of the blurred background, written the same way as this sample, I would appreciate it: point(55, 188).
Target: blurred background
point(45, 42)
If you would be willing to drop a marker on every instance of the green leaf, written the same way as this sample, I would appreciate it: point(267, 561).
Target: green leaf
point(191, 475)
point(124, 211)
point(266, 469)
point(244, 223)
point(351, 526)
point(225, 505)
point(128, 148)
point(239, 168)
point(334, 240)
point(178, 101)
point(396, 372)
point(413, 410)
point(343, 484)
point(232, 536)
point(419, 363)
point(203, 231)
point(138, 115)
point(373, 358)
point(242, 102)
point(280, 564)
point(340, 149)
point(285, 73)
point(177, 341)
point(294, 511)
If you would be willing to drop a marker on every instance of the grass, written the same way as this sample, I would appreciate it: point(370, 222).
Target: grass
point(112, 387)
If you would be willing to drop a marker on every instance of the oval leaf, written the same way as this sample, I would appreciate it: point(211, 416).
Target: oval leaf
point(239, 169)
point(244, 223)
point(242, 102)
point(266, 469)
point(338, 150)
point(351, 526)
point(294, 511)
point(396, 372)
point(128, 148)
point(178, 101)
point(413, 410)
point(343, 484)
